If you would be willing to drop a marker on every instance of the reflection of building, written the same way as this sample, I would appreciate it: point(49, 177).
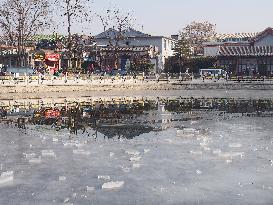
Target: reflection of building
point(133, 38)
point(244, 54)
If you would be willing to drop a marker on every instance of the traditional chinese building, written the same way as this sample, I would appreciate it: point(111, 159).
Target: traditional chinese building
point(134, 38)
point(246, 54)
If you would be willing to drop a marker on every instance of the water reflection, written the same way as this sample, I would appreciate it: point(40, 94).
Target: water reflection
point(129, 118)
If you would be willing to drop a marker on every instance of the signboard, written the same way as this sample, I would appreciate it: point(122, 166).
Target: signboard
point(38, 57)
point(52, 56)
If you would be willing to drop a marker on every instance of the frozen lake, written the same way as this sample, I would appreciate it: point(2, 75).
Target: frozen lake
point(158, 157)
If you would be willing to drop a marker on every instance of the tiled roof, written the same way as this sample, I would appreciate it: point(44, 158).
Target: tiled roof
point(236, 35)
point(246, 51)
point(132, 49)
point(111, 33)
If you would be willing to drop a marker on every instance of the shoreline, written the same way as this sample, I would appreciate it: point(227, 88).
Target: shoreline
point(139, 88)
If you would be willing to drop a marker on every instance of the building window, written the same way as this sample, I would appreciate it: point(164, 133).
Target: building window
point(165, 44)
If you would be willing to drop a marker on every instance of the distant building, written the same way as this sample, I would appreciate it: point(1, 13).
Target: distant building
point(245, 53)
point(131, 37)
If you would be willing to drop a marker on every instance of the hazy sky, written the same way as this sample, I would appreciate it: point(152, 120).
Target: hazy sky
point(166, 17)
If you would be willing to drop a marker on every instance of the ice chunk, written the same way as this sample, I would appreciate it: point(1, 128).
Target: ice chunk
point(133, 159)
point(90, 188)
point(30, 155)
point(103, 177)
point(66, 200)
point(48, 153)
point(196, 152)
point(125, 169)
point(198, 172)
point(183, 133)
point(136, 165)
point(231, 154)
point(111, 154)
point(229, 161)
point(206, 148)
point(235, 145)
point(189, 130)
point(216, 151)
point(112, 185)
point(55, 139)
point(146, 150)
point(6, 177)
point(81, 152)
point(69, 144)
point(35, 160)
point(62, 178)
point(132, 152)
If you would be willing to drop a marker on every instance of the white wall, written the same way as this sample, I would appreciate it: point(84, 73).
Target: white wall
point(163, 44)
point(211, 51)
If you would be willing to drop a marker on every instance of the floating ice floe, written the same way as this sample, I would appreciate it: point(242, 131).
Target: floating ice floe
point(30, 155)
point(74, 144)
point(125, 169)
point(104, 177)
point(235, 145)
point(6, 177)
point(198, 172)
point(35, 160)
point(231, 154)
point(68, 144)
point(55, 139)
point(134, 159)
point(206, 148)
point(111, 154)
point(62, 178)
point(146, 151)
point(132, 152)
point(81, 152)
point(229, 161)
point(216, 151)
point(187, 132)
point(66, 200)
point(90, 188)
point(48, 153)
point(136, 166)
point(196, 152)
point(112, 185)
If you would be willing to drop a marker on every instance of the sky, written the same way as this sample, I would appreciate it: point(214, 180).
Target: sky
point(167, 17)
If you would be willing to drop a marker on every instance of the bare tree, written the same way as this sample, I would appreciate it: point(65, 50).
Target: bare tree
point(73, 11)
point(197, 33)
point(115, 23)
point(21, 19)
